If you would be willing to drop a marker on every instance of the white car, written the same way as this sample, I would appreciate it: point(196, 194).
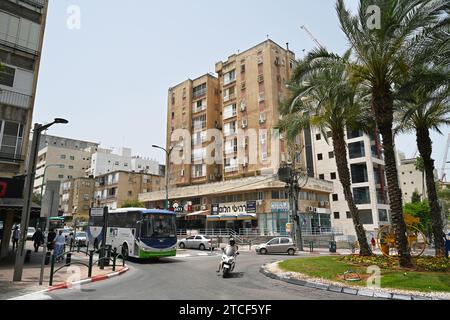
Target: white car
point(198, 242)
point(277, 245)
point(30, 233)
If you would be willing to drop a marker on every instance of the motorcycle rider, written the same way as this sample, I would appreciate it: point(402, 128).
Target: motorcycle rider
point(231, 246)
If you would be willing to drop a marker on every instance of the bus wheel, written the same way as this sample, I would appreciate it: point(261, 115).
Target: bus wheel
point(125, 251)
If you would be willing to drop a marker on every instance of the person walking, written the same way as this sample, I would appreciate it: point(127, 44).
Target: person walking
point(38, 239)
point(60, 242)
point(374, 243)
point(16, 237)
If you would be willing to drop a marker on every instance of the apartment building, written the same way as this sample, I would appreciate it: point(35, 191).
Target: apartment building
point(62, 159)
point(104, 161)
point(115, 188)
point(77, 197)
point(194, 106)
point(367, 169)
point(252, 85)
point(22, 26)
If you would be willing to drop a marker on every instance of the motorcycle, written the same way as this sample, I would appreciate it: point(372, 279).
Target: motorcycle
point(228, 262)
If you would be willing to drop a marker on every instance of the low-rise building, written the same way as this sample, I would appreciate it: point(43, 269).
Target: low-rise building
point(77, 197)
point(114, 189)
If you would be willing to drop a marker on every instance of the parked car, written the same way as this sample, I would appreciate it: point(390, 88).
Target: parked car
point(81, 238)
point(277, 245)
point(198, 242)
point(30, 232)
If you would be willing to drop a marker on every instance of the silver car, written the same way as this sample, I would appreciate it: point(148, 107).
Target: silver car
point(198, 242)
point(277, 245)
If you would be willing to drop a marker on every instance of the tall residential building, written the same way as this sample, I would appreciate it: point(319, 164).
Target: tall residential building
point(115, 188)
point(22, 26)
point(104, 161)
point(77, 197)
point(367, 169)
point(194, 105)
point(62, 159)
point(252, 85)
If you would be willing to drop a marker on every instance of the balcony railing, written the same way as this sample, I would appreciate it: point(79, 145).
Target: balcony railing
point(199, 94)
point(11, 158)
point(232, 168)
point(14, 99)
point(36, 3)
point(18, 47)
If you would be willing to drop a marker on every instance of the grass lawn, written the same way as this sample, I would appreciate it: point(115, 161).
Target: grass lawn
point(332, 268)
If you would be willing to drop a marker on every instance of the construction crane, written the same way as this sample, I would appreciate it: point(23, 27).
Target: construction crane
point(444, 163)
point(312, 37)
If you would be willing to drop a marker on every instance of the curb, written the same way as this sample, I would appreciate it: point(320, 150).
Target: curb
point(86, 281)
point(344, 290)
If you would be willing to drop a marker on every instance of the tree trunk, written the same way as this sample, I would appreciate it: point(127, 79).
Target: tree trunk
point(383, 107)
point(425, 148)
point(340, 151)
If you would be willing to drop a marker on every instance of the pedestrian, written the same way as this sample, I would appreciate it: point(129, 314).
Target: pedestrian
point(51, 240)
point(60, 242)
point(16, 237)
point(71, 240)
point(38, 239)
point(373, 242)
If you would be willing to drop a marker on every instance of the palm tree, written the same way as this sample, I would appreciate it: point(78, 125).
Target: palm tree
point(384, 56)
point(325, 99)
point(425, 108)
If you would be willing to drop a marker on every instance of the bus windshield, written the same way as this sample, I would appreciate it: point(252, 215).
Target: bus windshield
point(158, 226)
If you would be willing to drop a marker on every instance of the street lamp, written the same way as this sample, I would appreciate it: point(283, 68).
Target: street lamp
point(28, 190)
point(168, 153)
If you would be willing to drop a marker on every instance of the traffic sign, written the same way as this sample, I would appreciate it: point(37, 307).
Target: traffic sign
point(97, 212)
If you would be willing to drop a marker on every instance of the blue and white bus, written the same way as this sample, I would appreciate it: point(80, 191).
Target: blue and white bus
point(139, 233)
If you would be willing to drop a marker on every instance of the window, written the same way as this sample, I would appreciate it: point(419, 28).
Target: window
point(69, 177)
point(229, 111)
point(72, 158)
point(352, 134)
point(329, 134)
point(284, 240)
point(71, 167)
point(199, 170)
point(365, 216)
point(320, 156)
point(335, 197)
point(336, 215)
point(383, 215)
point(277, 195)
point(229, 77)
point(361, 195)
point(11, 136)
point(321, 176)
point(63, 157)
point(359, 173)
point(242, 68)
point(229, 128)
point(199, 91)
point(356, 150)
point(7, 76)
point(331, 155)
point(349, 215)
point(333, 176)
point(60, 176)
point(318, 136)
point(199, 123)
point(229, 94)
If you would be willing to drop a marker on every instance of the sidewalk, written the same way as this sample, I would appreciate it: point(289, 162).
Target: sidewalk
point(31, 273)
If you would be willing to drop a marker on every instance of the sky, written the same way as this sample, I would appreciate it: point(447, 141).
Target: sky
point(110, 76)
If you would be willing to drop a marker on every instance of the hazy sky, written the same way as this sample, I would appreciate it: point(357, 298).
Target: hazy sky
point(110, 78)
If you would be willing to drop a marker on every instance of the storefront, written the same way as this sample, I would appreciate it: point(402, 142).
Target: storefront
point(234, 216)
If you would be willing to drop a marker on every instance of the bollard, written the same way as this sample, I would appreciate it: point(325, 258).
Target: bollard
point(78, 246)
point(250, 246)
point(28, 256)
point(52, 269)
point(101, 261)
point(108, 256)
point(114, 259)
point(91, 259)
point(47, 258)
point(68, 259)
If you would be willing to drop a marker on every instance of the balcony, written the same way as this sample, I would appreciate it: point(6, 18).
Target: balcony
point(35, 3)
point(14, 99)
point(199, 94)
point(11, 158)
point(17, 47)
point(233, 168)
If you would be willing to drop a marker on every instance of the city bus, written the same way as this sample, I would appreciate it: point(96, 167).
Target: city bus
point(138, 233)
point(56, 223)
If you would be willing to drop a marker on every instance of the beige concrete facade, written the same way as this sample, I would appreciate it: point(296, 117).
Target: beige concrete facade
point(193, 106)
point(77, 197)
point(114, 189)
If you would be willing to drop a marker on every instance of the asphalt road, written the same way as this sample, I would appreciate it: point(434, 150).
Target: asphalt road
point(195, 278)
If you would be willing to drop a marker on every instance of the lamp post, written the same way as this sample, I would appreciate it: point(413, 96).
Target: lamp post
point(47, 224)
point(168, 153)
point(28, 190)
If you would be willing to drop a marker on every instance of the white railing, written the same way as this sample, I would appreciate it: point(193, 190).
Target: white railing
point(282, 233)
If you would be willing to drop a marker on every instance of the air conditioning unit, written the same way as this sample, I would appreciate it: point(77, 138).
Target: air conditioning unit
point(243, 85)
point(244, 123)
point(261, 97)
point(262, 118)
point(309, 209)
point(261, 78)
point(260, 60)
point(182, 173)
point(243, 106)
point(263, 140)
point(245, 164)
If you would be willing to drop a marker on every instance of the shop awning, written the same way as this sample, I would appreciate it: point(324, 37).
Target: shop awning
point(17, 204)
point(232, 217)
point(197, 215)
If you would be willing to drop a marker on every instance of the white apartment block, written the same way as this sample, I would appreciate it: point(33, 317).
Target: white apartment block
point(62, 159)
point(367, 171)
point(105, 161)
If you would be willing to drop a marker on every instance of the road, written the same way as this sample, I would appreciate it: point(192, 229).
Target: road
point(195, 278)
